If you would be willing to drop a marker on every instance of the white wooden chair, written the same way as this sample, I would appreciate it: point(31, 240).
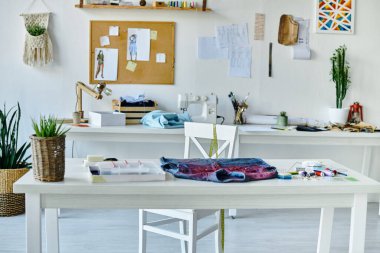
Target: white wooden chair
point(188, 217)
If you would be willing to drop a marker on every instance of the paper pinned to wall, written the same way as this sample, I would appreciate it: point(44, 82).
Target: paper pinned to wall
point(106, 64)
point(259, 26)
point(161, 58)
point(131, 66)
point(114, 31)
point(234, 35)
point(240, 61)
point(302, 51)
point(105, 41)
point(207, 49)
point(153, 35)
point(138, 46)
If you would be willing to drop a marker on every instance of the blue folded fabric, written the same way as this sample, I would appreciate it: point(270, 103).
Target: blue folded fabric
point(161, 119)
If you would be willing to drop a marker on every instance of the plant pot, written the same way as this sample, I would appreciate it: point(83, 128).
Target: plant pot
point(48, 158)
point(338, 116)
point(11, 204)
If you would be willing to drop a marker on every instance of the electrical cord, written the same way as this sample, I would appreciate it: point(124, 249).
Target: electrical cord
point(221, 117)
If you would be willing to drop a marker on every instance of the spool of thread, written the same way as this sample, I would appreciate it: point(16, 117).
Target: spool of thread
point(302, 173)
point(319, 173)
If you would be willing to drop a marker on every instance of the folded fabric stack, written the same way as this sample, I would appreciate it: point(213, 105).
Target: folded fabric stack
point(220, 170)
point(161, 119)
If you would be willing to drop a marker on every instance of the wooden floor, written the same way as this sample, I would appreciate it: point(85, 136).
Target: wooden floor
point(261, 231)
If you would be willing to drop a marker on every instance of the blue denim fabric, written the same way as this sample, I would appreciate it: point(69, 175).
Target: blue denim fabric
point(161, 119)
point(219, 170)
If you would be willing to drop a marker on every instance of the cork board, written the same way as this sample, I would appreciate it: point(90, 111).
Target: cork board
point(146, 72)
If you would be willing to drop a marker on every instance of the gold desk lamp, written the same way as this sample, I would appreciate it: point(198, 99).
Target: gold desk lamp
point(96, 92)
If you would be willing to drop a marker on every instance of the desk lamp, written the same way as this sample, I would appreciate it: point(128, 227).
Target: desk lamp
point(96, 93)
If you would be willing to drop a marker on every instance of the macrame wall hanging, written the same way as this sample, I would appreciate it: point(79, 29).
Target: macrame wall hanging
point(38, 49)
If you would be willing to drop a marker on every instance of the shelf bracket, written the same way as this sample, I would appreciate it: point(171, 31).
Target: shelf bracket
point(80, 3)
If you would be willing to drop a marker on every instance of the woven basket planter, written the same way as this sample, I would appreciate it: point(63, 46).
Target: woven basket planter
point(11, 204)
point(48, 158)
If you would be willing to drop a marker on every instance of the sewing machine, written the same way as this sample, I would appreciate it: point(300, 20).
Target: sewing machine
point(209, 106)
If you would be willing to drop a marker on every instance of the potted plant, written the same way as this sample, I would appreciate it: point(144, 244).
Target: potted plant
point(340, 75)
point(48, 149)
point(13, 162)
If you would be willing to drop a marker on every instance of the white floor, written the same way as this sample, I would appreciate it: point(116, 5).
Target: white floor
point(261, 231)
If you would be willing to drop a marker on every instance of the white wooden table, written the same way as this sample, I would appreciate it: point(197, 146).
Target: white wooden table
point(248, 134)
point(77, 192)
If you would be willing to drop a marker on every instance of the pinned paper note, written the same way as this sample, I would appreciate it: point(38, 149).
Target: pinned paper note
point(161, 58)
point(114, 31)
point(207, 49)
point(138, 44)
point(153, 35)
point(131, 66)
point(105, 41)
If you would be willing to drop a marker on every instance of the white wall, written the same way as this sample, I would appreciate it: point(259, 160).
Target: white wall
point(302, 88)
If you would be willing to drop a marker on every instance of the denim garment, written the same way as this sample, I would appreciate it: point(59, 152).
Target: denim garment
point(161, 119)
point(219, 170)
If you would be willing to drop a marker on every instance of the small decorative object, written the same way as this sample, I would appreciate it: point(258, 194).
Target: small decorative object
point(282, 120)
point(335, 16)
point(48, 150)
point(288, 31)
point(158, 4)
point(340, 75)
point(240, 108)
point(38, 49)
point(142, 3)
point(76, 118)
point(13, 162)
point(356, 113)
point(97, 93)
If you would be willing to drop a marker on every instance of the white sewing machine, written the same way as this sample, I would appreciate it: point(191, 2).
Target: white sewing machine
point(209, 106)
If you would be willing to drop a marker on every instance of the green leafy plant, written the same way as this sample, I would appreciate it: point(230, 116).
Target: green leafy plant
point(35, 30)
point(11, 155)
point(340, 74)
point(49, 127)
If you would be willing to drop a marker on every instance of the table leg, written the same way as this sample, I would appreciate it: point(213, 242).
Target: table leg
point(366, 163)
point(358, 223)
point(33, 222)
point(52, 230)
point(325, 230)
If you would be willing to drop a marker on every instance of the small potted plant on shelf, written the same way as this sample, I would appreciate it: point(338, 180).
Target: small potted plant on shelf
point(340, 75)
point(13, 162)
point(48, 149)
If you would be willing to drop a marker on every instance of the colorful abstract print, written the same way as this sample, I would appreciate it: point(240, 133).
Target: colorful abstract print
point(335, 16)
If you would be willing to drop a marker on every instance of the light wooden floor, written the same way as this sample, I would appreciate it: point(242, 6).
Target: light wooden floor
point(261, 231)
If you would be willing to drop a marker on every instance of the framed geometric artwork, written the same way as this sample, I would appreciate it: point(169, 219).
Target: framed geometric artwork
point(335, 16)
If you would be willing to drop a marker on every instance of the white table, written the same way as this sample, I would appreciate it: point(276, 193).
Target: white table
point(77, 192)
point(248, 134)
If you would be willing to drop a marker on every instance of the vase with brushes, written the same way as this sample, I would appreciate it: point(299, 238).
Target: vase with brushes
point(13, 162)
point(340, 75)
point(48, 149)
point(239, 107)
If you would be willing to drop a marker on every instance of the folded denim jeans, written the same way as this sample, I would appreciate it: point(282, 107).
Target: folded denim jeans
point(219, 170)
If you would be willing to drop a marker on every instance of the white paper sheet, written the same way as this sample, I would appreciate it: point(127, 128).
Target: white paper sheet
point(106, 64)
point(138, 44)
point(232, 35)
point(105, 41)
point(207, 49)
point(240, 61)
point(114, 31)
point(161, 58)
point(302, 51)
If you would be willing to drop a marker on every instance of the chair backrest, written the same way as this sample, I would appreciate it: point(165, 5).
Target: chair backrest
point(193, 131)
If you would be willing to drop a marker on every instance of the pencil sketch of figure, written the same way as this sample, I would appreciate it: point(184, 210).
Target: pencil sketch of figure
point(133, 47)
point(100, 69)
